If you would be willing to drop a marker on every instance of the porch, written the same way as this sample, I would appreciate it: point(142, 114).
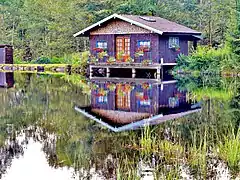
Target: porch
point(125, 70)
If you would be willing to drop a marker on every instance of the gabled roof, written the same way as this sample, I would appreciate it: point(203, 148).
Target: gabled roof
point(154, 24)
point(121, 117)
point(5, 45)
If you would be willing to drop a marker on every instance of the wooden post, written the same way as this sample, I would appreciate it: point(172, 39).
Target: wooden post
point(195, 44)
point(91, 72)
point(161, 60)
point(133, 73)
point(161, 87)
point(158, 73)
point(108, 72)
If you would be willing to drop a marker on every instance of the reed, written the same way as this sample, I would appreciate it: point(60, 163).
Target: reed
point(228, 149)
point(197, 153)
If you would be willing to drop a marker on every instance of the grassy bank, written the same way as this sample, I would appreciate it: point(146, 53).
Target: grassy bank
point(71, 59)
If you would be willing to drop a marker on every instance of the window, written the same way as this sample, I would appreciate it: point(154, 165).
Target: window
point(101, 44)
point(173, 102)
point(145, 102)
point(145, 43)
point(173, 42)
point(102, 99)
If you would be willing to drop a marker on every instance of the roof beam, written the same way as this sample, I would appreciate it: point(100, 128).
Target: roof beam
point(122, 18)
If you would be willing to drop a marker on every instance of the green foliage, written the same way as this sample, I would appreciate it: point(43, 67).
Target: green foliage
point(74, 59)
point(229, 149)
point(208, 59)
point(40, 28)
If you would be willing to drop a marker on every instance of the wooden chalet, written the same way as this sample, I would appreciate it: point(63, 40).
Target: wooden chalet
point(123, 106)
point(6, 54)
point(6, 79)
point(136, 44)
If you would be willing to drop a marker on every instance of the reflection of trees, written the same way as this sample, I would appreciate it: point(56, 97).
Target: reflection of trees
point(40, 101)
point(12, 148)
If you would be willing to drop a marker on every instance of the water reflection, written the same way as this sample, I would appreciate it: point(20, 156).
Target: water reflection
point(122, 106)
point(28, 155)
point(42, 136)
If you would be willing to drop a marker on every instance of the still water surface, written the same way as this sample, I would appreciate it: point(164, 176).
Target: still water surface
point(66, 127)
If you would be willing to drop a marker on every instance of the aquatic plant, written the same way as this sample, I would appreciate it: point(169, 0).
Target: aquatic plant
point(197, 154)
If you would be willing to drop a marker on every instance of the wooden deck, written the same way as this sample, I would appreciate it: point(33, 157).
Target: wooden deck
point(127, 65)
point(37, 68)
point(107, 68)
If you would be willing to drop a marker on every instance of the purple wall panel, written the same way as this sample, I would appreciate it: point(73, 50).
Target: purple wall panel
point(6, 55)
point(6, 79)
point(109, 105)
point(168, 55)
point(170, 90)
point(108, 38)
point(152, 54)
point(134, 38)
point(159, 47)
point(2, 55)
point(152, 94)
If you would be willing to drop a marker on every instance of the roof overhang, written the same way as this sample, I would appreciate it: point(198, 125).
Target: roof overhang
point(82, 32)
point(157, 119)
point(198, 37)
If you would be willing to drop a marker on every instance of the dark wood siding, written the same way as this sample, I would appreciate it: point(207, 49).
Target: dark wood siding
point(2, 55)
point(168, 55)
point(6, 55)
point(170, 90)
point(135, 106)
point(134, 38)
point(152, 94)
point(6, 79)
point(154, 49)
point(159, 47)
point(109, 105)
point(110, 41)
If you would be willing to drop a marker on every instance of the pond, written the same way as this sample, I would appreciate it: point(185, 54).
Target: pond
point(68, 127)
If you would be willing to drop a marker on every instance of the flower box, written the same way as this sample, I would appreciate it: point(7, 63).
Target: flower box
point(98, 49)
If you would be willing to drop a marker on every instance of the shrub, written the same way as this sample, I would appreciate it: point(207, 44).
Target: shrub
point(41, 60)
point(207, 59)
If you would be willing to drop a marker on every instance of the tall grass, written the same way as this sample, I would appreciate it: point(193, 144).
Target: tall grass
point(147, 141)
point(228, 149)
point(198, 152)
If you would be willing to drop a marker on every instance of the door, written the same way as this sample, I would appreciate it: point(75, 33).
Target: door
point(123, 96)
point(122, 48)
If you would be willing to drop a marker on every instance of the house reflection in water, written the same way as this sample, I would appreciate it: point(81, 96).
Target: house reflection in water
point(124, 106)
point(6, 79)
